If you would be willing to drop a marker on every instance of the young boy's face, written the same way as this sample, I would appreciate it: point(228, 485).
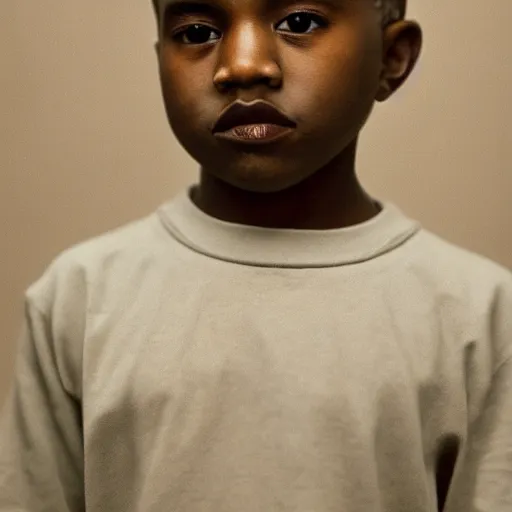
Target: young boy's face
point(321, 62)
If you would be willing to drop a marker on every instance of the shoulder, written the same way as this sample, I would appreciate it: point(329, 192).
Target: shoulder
point(59, 305)
point(451, 264)
point(72, 272)
point(470, 290)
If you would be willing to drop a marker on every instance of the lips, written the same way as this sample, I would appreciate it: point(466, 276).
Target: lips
point(256, 112)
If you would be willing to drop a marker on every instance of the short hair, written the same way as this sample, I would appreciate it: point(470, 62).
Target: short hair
point(392, 10)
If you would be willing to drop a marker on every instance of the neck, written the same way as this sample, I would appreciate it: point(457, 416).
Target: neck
point(331, 198)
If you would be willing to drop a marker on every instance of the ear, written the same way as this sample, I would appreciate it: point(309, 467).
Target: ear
point(156, 46)
point(402, 47)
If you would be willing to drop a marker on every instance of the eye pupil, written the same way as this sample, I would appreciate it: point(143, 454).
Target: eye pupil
point(198, 34)
point(300, 22)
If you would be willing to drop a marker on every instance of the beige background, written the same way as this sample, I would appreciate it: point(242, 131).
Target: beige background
point(84, 144)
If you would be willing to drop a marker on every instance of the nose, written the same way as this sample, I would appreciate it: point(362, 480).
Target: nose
point(248, 57)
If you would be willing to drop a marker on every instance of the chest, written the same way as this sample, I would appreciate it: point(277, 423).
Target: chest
point(286, 346)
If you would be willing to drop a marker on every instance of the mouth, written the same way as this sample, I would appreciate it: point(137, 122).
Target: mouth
point(255, 122)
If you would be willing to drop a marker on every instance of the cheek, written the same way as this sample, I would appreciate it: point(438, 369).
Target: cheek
point(179, 81)
point(185, 105)
point(340, 85)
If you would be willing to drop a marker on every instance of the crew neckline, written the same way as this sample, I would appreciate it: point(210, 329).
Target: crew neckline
point(285, 248)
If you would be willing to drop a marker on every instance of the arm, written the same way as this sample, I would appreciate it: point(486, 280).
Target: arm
point(483, 477)
point(483, 481)
point(41, 445)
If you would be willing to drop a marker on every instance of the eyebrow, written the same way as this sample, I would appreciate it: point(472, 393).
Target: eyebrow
point(180, 7)
point(194, 6)
point(199, 4)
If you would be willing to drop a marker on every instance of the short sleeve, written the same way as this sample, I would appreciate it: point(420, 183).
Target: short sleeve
point(483, 478)
point(41, 441)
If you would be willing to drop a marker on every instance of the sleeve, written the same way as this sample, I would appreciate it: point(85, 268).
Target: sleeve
point(41, 441)
point(483, 477)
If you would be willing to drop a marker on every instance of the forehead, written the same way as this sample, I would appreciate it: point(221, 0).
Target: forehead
point(261, 4)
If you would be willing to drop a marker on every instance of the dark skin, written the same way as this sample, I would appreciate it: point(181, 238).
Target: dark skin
point(325, 70)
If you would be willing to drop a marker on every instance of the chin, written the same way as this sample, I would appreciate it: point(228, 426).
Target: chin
point(258, 169)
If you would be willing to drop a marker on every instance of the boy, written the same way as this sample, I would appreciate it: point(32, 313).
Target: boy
point(272, 339)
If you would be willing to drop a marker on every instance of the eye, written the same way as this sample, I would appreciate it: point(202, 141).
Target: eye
point(196, 34)
point(301, 22)
point(297, 23)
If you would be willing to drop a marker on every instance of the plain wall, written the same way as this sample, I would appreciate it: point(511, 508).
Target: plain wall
point(85, 146)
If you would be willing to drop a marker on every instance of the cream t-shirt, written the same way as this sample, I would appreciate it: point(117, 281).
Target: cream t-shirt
point(186, 364)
